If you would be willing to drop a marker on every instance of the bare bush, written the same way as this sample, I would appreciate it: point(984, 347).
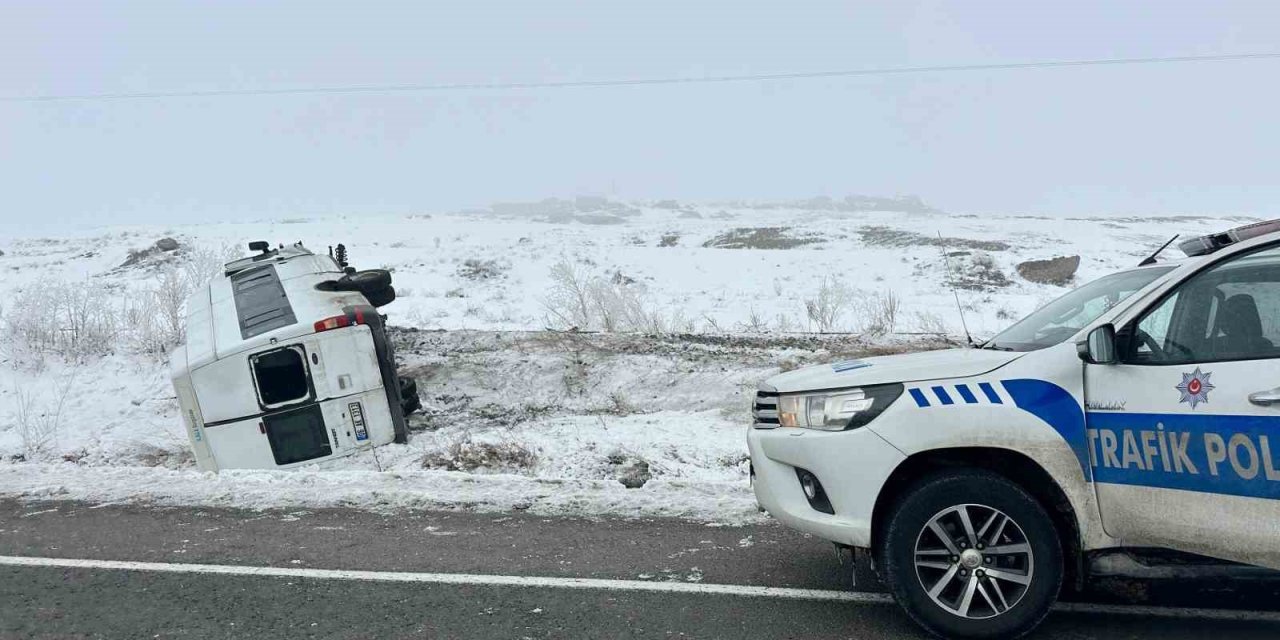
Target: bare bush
point(202, 263)
point(755, 322)
point(155, 319)
point(829, 305)
point(569, 302)
point(927, 322)
point(83, 319)
point(617, 303)
point(170, 295)
point(879, 312)
point(147, 333)
point(73, 320)
point(784, 323)
point(620, 405)
point(979, 272)
point(476, 269)
point(38, 424)
point(466, 454)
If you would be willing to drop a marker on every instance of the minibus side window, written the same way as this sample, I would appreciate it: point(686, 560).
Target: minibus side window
point(281, 376)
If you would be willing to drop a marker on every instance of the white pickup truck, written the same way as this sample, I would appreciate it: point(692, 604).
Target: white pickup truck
point(1137, 416)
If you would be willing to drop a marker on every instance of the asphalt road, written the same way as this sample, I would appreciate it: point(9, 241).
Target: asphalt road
point(114, 603)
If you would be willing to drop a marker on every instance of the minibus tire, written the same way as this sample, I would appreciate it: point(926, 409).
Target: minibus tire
point(381, 297)
point(410, 404)
point(408, 388)
point(909, 560)
point(366, 282)
point(409, 400)
point(369, 280)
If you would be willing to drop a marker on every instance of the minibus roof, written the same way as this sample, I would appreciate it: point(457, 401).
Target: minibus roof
point(256, 300)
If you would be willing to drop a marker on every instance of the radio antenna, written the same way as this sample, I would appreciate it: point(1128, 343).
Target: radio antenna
point(1151, 259)
point(946, 259)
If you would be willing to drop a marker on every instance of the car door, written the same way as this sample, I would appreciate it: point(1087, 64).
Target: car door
point(1184, 432)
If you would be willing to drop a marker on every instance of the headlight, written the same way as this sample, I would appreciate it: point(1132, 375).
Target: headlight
point(837, 410)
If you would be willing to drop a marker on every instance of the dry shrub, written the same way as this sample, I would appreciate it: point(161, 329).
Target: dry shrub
point(879, 312)
point(39, 423)
point(72, 320)
point(466, 454)
point(476, 269)
point(929, 322)
point(78, 320)
point(580, 300)
point(829, 305)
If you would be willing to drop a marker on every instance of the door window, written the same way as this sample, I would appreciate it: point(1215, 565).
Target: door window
point(1228, 312)
point(281, 376)
point(297, 435)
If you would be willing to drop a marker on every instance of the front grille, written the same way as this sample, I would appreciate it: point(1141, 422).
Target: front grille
point(765, 411)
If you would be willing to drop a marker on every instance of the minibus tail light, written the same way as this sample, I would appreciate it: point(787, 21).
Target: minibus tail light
point(336, 322)
point(352, 317)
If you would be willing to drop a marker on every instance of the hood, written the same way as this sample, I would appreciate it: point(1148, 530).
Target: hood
point(910, 367)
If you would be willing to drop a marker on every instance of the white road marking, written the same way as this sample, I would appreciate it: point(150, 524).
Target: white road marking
point(595, 583)
point(451, 578)
point(36, 513)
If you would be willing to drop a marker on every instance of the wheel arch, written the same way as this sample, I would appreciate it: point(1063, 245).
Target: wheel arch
point(1012, 465)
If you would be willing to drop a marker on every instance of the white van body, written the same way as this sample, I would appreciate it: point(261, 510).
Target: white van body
point(1174, 446)
point(262, 386)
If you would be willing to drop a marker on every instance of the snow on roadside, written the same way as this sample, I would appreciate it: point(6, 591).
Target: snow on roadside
point(538, 421)
point(682, 417)
point(720, 502)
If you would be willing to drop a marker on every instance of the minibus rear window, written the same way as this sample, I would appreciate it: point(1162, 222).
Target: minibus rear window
point(297, 435)
point(281, 376)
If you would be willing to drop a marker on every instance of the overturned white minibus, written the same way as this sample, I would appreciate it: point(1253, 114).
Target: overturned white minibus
point(287, 362)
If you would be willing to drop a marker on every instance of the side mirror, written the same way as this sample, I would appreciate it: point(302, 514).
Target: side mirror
point(259, 245)
point(1099, 347)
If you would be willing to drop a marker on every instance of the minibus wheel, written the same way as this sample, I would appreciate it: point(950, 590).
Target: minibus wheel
point(409, 400)
point(970, 554)
point(381, 297)
point(369, 280)
point(408, 387)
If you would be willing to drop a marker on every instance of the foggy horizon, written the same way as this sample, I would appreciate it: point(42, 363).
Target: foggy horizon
point(1163, 139)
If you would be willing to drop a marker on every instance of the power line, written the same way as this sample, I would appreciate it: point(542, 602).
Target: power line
point(633, 82)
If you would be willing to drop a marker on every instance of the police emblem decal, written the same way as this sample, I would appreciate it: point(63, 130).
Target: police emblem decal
point(1195, 388)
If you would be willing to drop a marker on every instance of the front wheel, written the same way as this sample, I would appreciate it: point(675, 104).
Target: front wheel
point(970, 554)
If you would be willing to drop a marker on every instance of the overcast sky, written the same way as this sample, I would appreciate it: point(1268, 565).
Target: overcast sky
point(1140, 139)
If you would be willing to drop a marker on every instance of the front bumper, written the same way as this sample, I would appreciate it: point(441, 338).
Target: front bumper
point(851, 465)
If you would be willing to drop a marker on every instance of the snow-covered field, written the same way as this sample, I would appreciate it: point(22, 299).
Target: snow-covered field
point(520, 417)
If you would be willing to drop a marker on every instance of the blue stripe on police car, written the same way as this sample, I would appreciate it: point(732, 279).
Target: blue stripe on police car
point(1223, 454)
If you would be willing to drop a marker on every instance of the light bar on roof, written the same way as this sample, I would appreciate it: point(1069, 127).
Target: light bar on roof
point(1208, 244)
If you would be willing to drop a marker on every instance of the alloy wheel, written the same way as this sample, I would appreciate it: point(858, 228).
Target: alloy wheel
point(974, 561)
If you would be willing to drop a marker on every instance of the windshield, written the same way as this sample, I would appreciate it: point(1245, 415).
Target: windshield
point(1064, 317)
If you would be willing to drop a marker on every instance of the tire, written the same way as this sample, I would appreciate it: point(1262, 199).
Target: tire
point(380, 297)
point(409, 400)
point(369, 280)
point(1028, 582)
point(366, 282)
point(410, 405)
point(408, 388)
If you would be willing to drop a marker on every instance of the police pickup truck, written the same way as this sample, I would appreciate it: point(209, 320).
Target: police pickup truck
point(1134, 418)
